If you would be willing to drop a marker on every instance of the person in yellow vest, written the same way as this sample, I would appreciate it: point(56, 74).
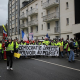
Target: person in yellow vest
point(65, 46)
point(21, 42)
point(10, 52)
point(68, 52)
point(52, 43)
point(43, 43)
point(76, 46)
point(17, 46)
point(0, 50)
point(24, 43)
point(61, 47)
point(47, 42)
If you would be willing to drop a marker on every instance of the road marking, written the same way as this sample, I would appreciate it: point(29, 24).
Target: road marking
point(57, 64)
point(77, 59)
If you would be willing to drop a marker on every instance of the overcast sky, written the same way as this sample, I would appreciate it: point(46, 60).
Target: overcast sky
point(3, 11)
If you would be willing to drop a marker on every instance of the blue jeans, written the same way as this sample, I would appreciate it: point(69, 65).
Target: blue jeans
point(71, 56)
point(62, 54)
point(67, 53)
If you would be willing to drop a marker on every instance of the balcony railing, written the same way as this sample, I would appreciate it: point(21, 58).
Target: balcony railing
point(51, 17)
point(23, 25)
point(24, 16)
point(50, 3)
point(25, 0)
point(33, 23)
point(33, 12)
point(56, 29)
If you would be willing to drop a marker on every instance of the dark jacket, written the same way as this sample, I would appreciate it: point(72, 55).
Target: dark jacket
point(71, 45)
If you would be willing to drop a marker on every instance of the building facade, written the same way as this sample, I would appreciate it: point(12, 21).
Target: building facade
point(58, 18)
point(1, 32)
point(13, 19)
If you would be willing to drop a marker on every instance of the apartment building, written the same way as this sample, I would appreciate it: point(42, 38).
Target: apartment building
point(58, 18)
point(13, 19)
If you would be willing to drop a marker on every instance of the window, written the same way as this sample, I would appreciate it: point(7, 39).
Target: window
point(56, 0)
point(31, 29)
point(41, 3)
point(16, 3)
point(57, 23)
point(16, 20)
point(42, 14)
point(48, 26)
point(37, 17)
point(16, 29)
point(10, 15)
point(13, 22)
point(31, 8)
point(67, 5)
point(67, 36)
point(57, 37)
point(22, 13)
point(36, 6)
point(31, 18)
point(23, 22)
point(36, 28)
point(26, 30)
point(27, 11)
point(26, 21)
point(48, 12)
point(48, 1)
point(10, 23)
point(13, 13)
point(42, 26)
point(12, 30)
point(16, 11)
point(13, 6)
point(67, 21)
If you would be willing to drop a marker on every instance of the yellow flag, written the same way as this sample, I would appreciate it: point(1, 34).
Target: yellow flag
point(4, 28)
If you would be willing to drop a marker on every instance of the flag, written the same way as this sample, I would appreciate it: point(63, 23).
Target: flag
point(24, 36)
point(4, 34)
point(4, 28)
point(47, 35)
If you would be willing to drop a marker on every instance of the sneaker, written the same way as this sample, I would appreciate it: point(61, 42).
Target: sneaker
point(8, 68)
point(11, 69)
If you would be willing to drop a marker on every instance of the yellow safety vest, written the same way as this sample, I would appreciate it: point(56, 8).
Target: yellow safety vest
point(0, 46)
point(52, 43)
point(25, 43)
point(17, 45)
point(21, 43)
point(10, 47)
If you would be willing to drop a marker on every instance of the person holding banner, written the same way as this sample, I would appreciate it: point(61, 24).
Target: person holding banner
point(9, 52)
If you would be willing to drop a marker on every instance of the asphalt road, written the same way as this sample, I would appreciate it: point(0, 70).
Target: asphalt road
point(43, 68)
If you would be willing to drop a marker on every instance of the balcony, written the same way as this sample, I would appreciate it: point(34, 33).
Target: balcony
point(25, 0)
point(51, 17)
point(24, 16)
point(76, 28)
point(24, 25)
point(33, 12)
point(50, 3)
point(33, 23)
point(56, 29)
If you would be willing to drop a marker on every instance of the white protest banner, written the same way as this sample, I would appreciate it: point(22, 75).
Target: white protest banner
point(31, 50)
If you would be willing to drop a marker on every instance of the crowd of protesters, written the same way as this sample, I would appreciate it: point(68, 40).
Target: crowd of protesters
point(70, 47)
